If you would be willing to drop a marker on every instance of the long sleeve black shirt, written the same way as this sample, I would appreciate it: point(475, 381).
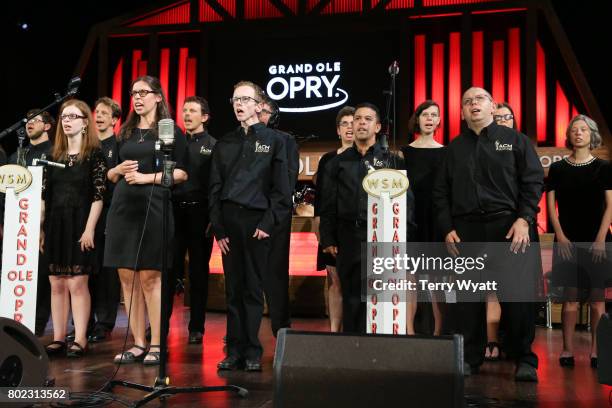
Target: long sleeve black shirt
point(250, 170)
point(109, 147)
point(199, 154)
point(343, 197)
point(498, 170)
point(293, 160)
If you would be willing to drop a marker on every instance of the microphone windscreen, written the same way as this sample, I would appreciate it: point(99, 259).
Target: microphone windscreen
point(165, 129)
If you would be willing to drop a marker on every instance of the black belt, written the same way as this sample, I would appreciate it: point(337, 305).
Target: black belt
point(486, 216)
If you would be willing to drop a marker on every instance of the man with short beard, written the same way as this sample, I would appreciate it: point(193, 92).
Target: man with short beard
point(38, 130)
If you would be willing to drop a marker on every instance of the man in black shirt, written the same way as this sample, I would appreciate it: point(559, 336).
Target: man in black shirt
point(344, 205)
point(104, 285)
point(190, 203)
point(39, 129)
point(488, 190)
point(276, 278)
point(248, 197)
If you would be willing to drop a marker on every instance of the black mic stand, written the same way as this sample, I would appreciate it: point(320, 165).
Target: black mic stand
point(73, 87)
point(162, 389)
point(390, 115)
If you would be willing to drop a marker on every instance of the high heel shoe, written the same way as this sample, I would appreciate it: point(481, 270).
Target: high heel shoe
point(567, 361)
point(594, 362)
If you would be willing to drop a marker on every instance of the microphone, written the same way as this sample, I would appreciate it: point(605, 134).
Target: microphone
point(48, 163)
point(383, 142)
point(73, 85)
point(165, 132)
point(394, 68)
point(369, 166)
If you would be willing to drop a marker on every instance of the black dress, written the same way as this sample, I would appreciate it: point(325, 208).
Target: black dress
point(580, 196)
point(323, 259)
point(131, 203)
point(68, 194)
point(421, 165)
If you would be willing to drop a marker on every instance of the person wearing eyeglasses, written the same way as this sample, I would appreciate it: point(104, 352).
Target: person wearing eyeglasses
point(344, 130)
point(422, 157)
point(248, 198)
point(276, 278)
point(580, 189)
point(72, 203)
point(488, 190)
point(39, 130)
point(504, 115)
point(134, 221)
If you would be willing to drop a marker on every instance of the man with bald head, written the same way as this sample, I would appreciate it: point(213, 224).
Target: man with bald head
point(488, 190)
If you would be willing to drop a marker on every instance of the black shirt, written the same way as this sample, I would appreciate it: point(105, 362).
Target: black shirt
point(580, 192)
point(250, 170)
point(293, 159)
point(343, 197)
point(109, 150)
point(321, 180)
point(39, 151)
point(498, 170)
point(199, 153)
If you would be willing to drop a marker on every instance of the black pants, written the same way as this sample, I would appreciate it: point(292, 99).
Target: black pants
point(191, 221)
point(348, 264)
point(43, 294)
point(104, 285)
point(469, 318)
point(276, 278)
point(244, 267)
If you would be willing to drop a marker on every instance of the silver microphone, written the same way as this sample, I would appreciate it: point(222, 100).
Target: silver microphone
point(48, 163)
point(369, 166)
point(165, 131)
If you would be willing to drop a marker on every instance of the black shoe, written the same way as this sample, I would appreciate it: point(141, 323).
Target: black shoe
point(526, 373)
point(195, 337)
point(594, 362)
point(230, 363)
point(70, 337)
point(566, 361)
point(52, 350)
point(98, 335)
point(76, 350)
point(253, 364)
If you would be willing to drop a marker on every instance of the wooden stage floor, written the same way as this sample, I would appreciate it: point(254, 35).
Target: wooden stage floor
point(191, 365)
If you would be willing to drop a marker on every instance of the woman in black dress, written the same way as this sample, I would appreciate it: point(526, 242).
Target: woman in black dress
point(72, 203)
point(422, 157)
point(344, 128)
point(134, 221)
point(581, 186)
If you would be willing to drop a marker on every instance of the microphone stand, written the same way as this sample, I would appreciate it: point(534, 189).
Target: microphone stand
point(73, 87)
point(390, 115)
point(161, 388)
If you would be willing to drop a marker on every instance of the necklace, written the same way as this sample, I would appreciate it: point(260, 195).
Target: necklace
point(72, 158)
point(142, 135)
point(586, 163)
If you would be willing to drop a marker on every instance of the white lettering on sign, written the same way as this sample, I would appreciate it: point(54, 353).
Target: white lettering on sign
point(306, 87)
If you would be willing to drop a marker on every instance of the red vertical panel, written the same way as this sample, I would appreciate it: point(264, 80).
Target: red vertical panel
point(182, 84)
point(561, 116)
point(117, 89)
point(541, 112)
point(136, 56)
point(142, 68)
point(574, 111)
point(437, 85)
point(190, 87)
point(514, 73)
point(498, 79)
point(164, 69)
point(420, 90)
point(454, 86)
point(477, 59)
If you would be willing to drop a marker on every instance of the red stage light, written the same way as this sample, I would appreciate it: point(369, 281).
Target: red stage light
point(420, 93)
point(541, 100)
point(478, 59)
point(117, 89)
point(498, 77)
point(437, 86)
point(561, 116)
point(514, 73)
point(454, 86)
point(177, 13)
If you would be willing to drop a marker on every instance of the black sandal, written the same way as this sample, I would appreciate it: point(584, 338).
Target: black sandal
point(76, 352)
point(155, 354)
point(54, 351)
point(492, 345)
point(127, 357)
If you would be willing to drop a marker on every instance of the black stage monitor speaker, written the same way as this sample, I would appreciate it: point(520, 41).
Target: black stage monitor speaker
point(604, 350)
point(314, 369)
point(23, 360)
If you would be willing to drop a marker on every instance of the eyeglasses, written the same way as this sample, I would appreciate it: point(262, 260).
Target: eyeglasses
point(141, 92)
point(267, 111)
point(478, 98)
point(72, 116)
point(506, 117)
point(34, 120)
point(430, 115)
point(344, 123)
point(243, 100)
